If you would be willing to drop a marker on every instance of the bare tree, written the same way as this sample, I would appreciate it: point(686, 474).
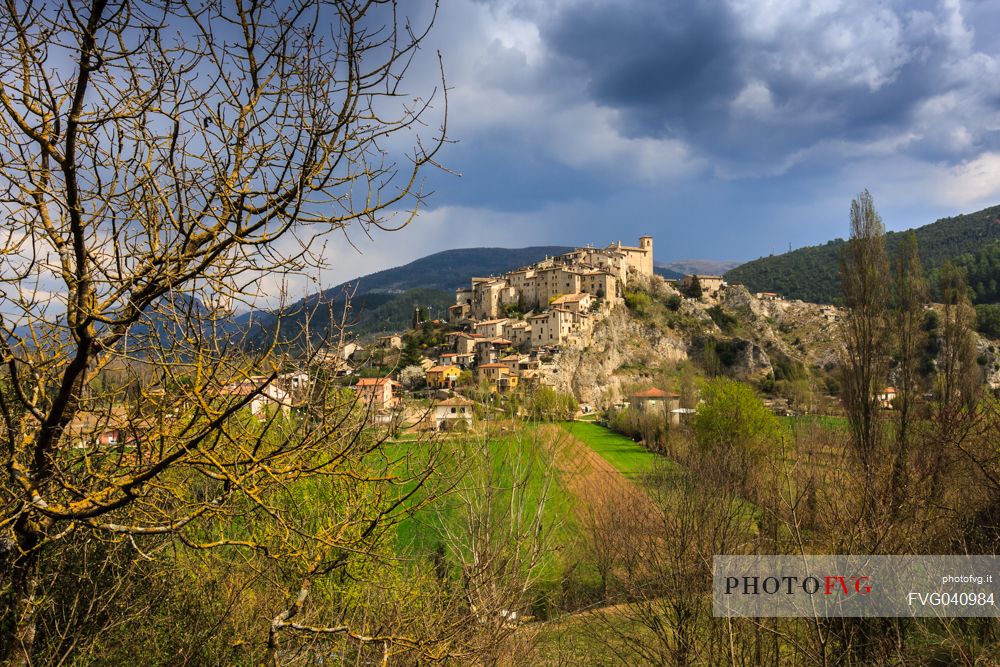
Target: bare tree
point(958, 377)
point(911, 299)
point(661, 582)
point(959, 380)
point(159, 159)
point(864, 272)
point(498, 536)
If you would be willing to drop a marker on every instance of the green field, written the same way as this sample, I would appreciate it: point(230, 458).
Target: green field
point(436, 529)
point(826, 421)
point(628, 457)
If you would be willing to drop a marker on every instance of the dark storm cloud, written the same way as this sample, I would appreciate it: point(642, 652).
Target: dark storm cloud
point(652, 56)
point(853, 72)
point(726, 128)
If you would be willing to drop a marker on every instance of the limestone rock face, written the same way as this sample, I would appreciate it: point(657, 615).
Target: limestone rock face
point(752, 363)
point(988, 353)
point(625, 350)
point(596, 373)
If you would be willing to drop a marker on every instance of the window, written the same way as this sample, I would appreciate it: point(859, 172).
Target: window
point(453, 411)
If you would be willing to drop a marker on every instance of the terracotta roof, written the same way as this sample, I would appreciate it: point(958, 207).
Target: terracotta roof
point(889, 390)
point(493, 366)
point(455, 401)
point(653, 392)
point(441, 369)
point(374, 382)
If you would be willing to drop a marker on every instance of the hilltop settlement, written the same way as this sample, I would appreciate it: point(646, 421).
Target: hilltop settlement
point(596, 326)
point(505, 331)
point(593, 330)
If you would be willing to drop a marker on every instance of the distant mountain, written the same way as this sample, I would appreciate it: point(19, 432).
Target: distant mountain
point(669, 274)
point(711, 267)
point(384, 301)
point(447, 270)
point(812, 273)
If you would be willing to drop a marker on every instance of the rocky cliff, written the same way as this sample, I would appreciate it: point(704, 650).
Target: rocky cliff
point(731, 332)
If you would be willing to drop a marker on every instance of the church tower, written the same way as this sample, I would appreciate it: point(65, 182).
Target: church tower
point(646, 243)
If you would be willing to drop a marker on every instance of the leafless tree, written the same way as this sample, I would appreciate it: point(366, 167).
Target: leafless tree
point(498, 535)
point(958, 378)
point(660, 584)
point(864, 272)
point(911, 298)
point(157, 161)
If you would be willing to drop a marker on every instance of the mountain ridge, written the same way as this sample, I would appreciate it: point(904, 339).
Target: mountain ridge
point(384, 301)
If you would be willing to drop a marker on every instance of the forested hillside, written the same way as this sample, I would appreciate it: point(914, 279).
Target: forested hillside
point(812, 273)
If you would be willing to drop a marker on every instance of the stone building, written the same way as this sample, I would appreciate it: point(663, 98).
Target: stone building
point(659, 401)
point(455, 411)
point(709, 284)
point(578, 303)
point(568, 294)
point(491, 328)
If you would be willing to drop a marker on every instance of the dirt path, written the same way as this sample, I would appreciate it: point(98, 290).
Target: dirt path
point(606, 497)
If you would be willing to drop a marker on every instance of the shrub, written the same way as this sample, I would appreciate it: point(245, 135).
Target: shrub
point(734, 430)
point(988, 319)
point(694, 289)
point(547, 404)
point(638, 302)
point(725, 321)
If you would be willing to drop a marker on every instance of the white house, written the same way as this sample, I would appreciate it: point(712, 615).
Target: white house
point(452, 412)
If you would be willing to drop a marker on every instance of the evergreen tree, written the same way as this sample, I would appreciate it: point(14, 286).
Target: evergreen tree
point(694, 289)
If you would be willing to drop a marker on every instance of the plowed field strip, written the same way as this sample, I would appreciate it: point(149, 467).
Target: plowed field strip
point(597, 485)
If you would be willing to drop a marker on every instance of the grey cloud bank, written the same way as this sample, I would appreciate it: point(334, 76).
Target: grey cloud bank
point(727, 128)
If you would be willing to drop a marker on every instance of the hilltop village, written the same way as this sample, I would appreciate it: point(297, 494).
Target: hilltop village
point(533, 332)
point(552, 301)
point(505, 331)
point(590, 330)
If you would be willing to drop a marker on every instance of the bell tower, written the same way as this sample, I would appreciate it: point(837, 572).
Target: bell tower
point(646, 243)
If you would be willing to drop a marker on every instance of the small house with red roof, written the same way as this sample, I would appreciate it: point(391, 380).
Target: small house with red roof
point(654, 399)
point(886, 397)
point(379, 393)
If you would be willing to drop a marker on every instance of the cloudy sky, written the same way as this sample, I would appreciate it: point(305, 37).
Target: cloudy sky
point(728, 129)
